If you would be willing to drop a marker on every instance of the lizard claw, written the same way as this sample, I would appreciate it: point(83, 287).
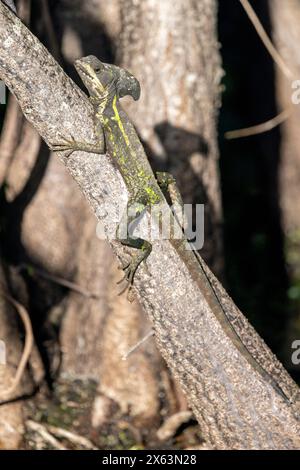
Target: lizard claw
point(125, 270)
point(129, 272)
point(130, 295)
point(65, 145)
point(128, 275)
point(131, 267)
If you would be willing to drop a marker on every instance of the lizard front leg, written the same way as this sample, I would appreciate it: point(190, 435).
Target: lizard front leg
point(72, 145)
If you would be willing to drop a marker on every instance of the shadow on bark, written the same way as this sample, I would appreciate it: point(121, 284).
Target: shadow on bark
point(179, 146)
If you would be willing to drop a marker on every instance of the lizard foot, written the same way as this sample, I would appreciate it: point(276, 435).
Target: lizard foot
point(65, 145)
point(129, 272)
point(131, 268)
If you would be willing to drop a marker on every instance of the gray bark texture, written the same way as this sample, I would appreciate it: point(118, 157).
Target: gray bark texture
point(235, 407)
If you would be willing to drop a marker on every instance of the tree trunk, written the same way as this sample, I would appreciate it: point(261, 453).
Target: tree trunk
point(97, 333)
point(235, 406)
point(286, 32)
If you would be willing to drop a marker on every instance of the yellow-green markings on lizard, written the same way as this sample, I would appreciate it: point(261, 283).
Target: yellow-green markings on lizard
point(118, 119)
point(153, 196)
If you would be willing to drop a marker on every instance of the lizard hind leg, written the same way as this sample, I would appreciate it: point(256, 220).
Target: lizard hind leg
point(167, 183)
point(143, 249)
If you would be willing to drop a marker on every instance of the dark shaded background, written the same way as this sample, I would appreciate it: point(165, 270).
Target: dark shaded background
point(254, 242)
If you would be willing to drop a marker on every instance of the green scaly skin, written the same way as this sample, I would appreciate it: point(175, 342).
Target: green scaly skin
point(106, 84)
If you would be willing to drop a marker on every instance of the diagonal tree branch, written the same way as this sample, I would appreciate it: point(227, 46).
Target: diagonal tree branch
point(235, 407)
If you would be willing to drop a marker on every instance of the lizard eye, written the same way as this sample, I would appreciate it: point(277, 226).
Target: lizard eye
point(97, 70)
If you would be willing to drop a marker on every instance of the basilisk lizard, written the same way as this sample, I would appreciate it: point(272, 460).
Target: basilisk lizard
point(106, 84)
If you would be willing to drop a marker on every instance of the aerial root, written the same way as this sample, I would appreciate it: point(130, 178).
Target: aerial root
point(28, 345)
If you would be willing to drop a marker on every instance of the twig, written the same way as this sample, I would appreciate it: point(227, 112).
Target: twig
point(137, 345)
point(70, 436)
point(284, 115)
point(260, 128)
point(40, 429)
point(266, 40)
point(28, 345)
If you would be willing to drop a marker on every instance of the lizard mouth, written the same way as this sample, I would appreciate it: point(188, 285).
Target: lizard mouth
point(83, 69)
point(90, 79)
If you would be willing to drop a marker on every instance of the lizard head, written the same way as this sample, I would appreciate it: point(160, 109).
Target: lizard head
point(105, 80)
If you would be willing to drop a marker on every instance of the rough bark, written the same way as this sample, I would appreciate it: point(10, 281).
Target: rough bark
point(234, 406)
